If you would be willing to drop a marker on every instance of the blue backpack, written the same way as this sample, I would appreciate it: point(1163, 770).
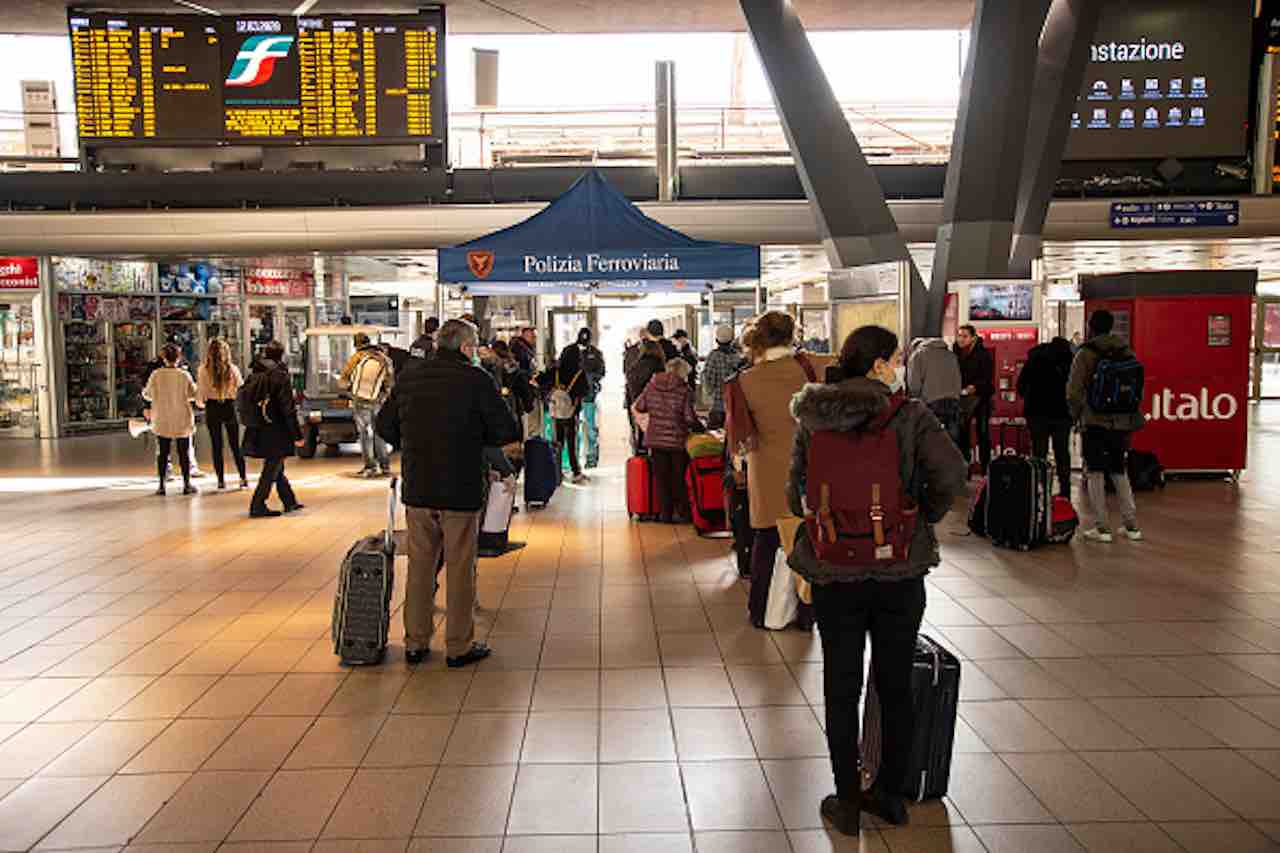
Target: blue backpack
point(1116, 386)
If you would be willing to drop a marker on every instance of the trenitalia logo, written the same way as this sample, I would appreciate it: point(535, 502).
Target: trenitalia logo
point(257, 59)
point(1168, 406)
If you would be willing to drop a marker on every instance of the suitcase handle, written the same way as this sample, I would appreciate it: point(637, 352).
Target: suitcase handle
point(387, 540)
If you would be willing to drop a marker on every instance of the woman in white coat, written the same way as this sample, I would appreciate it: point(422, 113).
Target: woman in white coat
point(171, 391)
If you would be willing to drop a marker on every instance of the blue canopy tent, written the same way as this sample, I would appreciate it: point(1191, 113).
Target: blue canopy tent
point(593, 238)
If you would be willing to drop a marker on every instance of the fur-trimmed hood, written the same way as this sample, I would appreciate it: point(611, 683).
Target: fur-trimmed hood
point(844, 407)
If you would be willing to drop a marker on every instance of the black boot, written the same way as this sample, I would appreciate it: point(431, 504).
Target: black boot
point(844, 815)
point(890, 808)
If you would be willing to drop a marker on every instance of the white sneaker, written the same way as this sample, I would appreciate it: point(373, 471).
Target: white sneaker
point(1099, 534)
point(1133, 532)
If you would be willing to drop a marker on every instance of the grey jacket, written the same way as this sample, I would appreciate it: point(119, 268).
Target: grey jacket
point(933, 371)
point(929, 463)
point(1086, 361)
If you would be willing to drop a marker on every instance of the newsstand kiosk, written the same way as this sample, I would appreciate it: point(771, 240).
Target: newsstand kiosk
point(1006, 314)
point(1190, 329)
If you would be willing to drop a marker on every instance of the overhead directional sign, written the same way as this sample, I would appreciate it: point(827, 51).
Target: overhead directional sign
point(1175, 214)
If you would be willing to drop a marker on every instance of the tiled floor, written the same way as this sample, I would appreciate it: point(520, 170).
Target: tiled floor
point(167, 685)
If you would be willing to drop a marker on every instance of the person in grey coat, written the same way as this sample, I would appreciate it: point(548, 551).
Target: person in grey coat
point(888, 601)
point(1106, 437)
point(933, 375)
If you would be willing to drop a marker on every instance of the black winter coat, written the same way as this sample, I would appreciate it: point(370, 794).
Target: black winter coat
point(977, 368)
point(1042, 384)
point(639, 375)
point(276, 439)
point(442, 414)
point(571, 373)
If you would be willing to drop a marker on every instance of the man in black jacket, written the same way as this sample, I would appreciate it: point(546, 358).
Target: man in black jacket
point(1042, 385)
point(273, 434)
point(977, 387)
point(442, 415)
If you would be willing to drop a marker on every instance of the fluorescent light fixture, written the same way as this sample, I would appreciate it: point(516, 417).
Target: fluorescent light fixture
point(304, 7)
point(205, 9)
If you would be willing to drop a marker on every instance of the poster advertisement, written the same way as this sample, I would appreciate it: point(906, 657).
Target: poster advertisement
point(1219, 330)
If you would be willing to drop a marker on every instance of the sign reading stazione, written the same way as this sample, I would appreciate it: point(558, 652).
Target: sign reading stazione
point(19, 274)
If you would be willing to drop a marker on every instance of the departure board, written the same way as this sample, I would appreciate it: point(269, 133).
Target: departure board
point(355, 79)
point(146, 77)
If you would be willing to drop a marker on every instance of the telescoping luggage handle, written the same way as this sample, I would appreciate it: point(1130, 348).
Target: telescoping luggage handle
point(391, 516)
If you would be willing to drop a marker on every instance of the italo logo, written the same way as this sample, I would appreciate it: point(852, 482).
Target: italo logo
point(257, 59)
point(1168, 406)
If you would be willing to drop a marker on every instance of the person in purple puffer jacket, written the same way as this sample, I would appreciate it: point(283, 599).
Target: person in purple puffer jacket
point(668, 401)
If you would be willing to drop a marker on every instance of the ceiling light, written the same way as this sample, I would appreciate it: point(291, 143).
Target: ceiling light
point(304, 7)
point(204, 9)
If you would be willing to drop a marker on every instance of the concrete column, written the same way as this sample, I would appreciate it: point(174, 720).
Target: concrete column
point(853, 218)
point(1064, 53)
point(665, 136)
point(987, 148)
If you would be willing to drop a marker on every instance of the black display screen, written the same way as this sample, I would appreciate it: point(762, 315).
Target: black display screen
point(259, 78)
point(1166, 78)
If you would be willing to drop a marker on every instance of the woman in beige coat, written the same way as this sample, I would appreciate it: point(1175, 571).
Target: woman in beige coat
point(171, 391)
point(778, 373)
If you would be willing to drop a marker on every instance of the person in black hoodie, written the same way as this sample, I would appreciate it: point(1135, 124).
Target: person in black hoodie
point(274, 439)
point(650, 364)
point(977, 387)
point(442, 414)
point(1042, 385)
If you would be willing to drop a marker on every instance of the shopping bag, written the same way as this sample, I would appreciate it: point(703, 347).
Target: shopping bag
point(784, 601)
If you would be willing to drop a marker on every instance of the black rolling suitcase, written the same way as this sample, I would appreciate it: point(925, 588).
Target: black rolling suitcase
point(362, 604)
point(542, 473)
point(935, 691)
point(1019, 502)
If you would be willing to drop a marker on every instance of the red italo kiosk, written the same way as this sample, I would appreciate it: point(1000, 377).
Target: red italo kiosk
point(1190, 329)
point(1006, 314)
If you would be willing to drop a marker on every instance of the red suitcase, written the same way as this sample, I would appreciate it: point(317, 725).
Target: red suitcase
point(640, 491)
point(705, 479)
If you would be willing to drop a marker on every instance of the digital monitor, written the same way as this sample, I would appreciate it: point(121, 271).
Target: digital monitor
point(1165, 78)
point(1011, 302)
point(352, 79)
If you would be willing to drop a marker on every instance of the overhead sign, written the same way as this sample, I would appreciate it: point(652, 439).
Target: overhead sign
point(283, 282)
point(261, 78)
point(1175, 214)
point(19, 274)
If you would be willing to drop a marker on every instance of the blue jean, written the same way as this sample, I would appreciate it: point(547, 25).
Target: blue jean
point(372, 447)
point(590, 433)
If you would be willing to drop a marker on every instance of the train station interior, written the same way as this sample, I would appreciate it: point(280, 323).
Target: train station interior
point(187, 184)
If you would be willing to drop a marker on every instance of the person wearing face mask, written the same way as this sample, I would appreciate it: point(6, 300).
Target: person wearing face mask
point(884, 597)
point(591, 360)
point(443, 414)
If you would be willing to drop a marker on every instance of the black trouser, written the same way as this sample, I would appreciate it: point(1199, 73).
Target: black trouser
point(220, 415)
point(272, 475)
point(765, 542)
point(184, 458)
point(976, 412)
point(1059, 431)
point(668, 481)
point(737, 505)
point(567, 437)
point(891, 611)
point(947, 411)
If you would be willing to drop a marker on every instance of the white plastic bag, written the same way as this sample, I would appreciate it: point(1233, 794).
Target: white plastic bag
point(502, 498)
point(783, 603)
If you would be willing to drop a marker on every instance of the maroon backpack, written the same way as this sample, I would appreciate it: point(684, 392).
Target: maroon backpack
point(859, 513)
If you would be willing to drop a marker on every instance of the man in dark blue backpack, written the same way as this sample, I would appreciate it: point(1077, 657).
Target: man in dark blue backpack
point(1104, 395)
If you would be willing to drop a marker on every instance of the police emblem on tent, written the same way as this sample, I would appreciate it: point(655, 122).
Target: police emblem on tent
point(480, 263)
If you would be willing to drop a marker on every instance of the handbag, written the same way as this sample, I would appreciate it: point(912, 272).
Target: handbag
point(790, 528)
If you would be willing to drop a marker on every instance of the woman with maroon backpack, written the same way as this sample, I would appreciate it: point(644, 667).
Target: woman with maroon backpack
point(668, 401)
point(871, 473)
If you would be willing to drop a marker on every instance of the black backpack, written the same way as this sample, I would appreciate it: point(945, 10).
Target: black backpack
point(253, 401)
point(1116, 386)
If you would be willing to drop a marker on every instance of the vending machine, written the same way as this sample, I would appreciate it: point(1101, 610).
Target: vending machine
point(1006, 314)
point(1191, 330)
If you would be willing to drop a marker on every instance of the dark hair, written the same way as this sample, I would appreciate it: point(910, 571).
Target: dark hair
point(1102, 322)
point(656, 328)
point(774, 329)
point(652, 348)
point(273, 351)
point(863, 346)
point(970, 328)
point(170, 354)
point(501, 348)
point(680, 333)
point(431, 325)
point(584, 335)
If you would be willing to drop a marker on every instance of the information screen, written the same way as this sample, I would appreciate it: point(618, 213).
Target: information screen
point(1006, 302)
point(259, 78)
point(1166, 78)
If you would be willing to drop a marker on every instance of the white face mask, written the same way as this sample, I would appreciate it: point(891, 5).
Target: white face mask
point(899, 379)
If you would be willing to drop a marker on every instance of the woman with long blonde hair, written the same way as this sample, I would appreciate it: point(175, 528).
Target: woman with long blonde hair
point(216, 389)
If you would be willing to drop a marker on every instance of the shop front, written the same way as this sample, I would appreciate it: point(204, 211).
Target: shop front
point(24, 384)
point(280, 307)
